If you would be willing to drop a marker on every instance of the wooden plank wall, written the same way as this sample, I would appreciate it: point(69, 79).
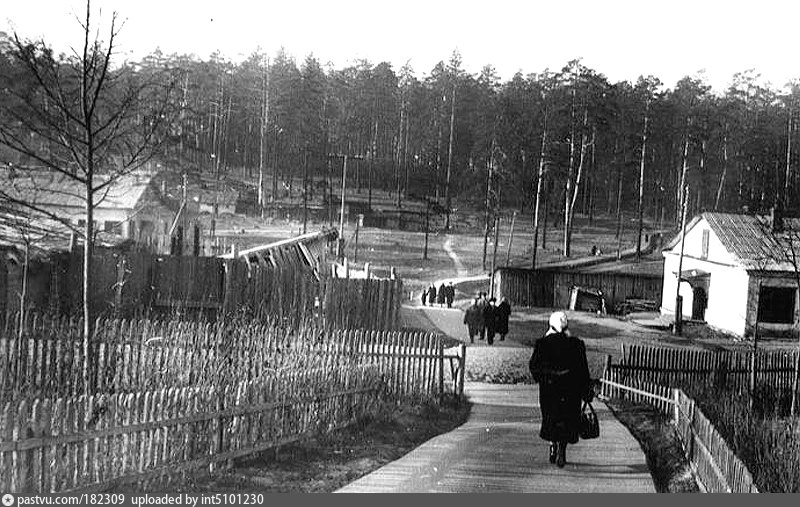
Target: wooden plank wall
point(362, 303)
point(138, 283)
point(551, 288)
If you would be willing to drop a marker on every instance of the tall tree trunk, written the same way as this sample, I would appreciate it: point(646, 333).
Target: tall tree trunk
point(570, 173)
point(572, 199)
point(263, 134)
point(539, 181)
point(787, 182)
point(489, 168)
point(447, 201)
point(640, 210)
point(724, 170)
point(88, 282)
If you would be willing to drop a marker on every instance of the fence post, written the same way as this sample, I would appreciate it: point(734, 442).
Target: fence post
point(441, 372)
point(462, 363)
point(121, 267)
point(676, 410)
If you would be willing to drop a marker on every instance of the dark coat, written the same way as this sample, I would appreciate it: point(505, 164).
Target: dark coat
point(503, 313)
point(431, 294)
point(490, 318)
point(559, 365)
point(441, 294)
point(473, 319)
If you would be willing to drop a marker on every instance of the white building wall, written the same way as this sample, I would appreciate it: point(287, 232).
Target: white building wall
point(727, 283)
point(727, 299)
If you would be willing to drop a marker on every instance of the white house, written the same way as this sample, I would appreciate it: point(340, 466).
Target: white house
point(736, 271)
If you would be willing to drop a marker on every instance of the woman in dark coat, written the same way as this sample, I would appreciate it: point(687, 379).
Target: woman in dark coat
point(490, 320)
point(441, 294)
point(503, 313)
point(559, 365)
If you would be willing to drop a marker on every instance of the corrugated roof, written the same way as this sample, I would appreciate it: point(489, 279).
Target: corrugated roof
point(46, 188)
point(750, 240)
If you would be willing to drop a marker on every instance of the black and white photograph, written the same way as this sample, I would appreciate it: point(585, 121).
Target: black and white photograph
point(251, 248)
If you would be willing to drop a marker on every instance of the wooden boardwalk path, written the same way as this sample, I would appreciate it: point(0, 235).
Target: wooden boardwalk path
point(498, 450)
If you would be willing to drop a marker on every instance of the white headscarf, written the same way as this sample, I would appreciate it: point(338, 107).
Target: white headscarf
point(558, 323)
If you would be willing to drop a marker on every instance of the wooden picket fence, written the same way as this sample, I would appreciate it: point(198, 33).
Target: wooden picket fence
point(715, 465)
point(144, 355)
point(90, 443)
point(183, 395)
point(680, 366)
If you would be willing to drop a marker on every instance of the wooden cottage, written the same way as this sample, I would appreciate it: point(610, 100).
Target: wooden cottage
point(130, 208)
point(737, 271)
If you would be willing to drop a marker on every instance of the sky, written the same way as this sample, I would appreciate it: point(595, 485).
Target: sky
point(623, 39)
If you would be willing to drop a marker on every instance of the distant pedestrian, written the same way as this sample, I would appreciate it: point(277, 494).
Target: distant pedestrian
point(424, 296)
point(473, 320)
point(482, 304)
point(432, 294)
point(559, 365)
point(451, 294)
point(503, 313)
point(490, 320)
point(440, 295)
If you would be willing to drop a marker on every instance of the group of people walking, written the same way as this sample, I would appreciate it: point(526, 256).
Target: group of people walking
point(485, 318)
point(443, 296)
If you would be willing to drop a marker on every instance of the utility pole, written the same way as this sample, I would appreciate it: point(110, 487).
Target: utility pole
point(678, 327)
point(494, 254)
point(340, 251)
point(359, 223)
point(345, 156)
point(490, 163)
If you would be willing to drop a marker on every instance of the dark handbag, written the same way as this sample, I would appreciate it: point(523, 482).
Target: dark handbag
point(590, 426)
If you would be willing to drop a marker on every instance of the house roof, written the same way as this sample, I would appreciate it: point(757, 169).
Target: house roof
point(750, 241)
point(49, 189)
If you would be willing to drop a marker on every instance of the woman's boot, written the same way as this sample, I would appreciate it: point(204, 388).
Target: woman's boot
point(561, 459)
point(553, 452)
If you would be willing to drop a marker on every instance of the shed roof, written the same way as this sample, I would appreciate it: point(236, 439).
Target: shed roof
point(750, 240)
point(47, 188)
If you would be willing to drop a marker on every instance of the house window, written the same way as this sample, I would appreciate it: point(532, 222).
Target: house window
point(112, 227)
point(704, 252)
point(776, 305)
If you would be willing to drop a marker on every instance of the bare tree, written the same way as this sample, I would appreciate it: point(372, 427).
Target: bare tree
point(88, 121)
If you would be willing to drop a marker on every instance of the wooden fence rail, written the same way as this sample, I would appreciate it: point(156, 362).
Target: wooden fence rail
point(716, 467)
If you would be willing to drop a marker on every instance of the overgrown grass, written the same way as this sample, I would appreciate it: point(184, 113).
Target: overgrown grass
point(764, 437)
